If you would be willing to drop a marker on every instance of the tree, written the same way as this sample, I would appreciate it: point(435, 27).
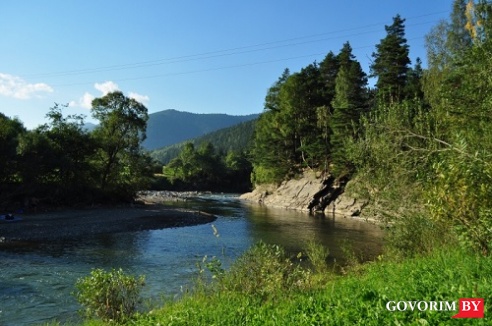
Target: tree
point(10, 131)
point(121, 130)
point(439, 55)
point(459, 38)
point(413, 88)
point(202, 169)
point(184, 167)
point(300, 97)
point(271, 156)
point(271, 153)
point(271, 99)
point(349, 102)
point(391, 62)
point(211, 167)
point(38, 161)
point(329, 70)
point(294, 133)
point(72, 148)
point(56, 160)
point(480, 19)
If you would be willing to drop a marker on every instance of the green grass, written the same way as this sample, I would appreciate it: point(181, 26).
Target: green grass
point(309, 298)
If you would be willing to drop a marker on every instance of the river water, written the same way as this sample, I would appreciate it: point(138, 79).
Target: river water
point(36, 283)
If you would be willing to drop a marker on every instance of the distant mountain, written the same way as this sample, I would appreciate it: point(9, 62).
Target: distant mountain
point(89, 126)
point(170, 126)
point(237, 138)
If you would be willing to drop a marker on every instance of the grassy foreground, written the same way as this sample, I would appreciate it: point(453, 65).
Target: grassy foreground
point(264, 288)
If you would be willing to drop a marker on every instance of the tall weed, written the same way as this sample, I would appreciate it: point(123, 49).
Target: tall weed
point(110, 296)
point(317, 255)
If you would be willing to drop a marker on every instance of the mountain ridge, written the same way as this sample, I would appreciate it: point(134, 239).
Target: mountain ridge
point(234, 138)
point(171, 126)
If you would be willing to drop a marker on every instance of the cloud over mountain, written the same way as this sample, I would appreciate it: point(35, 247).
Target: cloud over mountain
point(106, 87)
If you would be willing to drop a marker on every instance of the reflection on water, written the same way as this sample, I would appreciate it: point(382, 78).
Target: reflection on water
point(292, 230)
point(36, 283)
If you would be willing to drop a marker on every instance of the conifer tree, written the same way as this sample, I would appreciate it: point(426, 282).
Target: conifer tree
point(414, 82)
point(329, 70)
point(271, 99)
point(391, 62)
point(271, 156)
point(349, 101)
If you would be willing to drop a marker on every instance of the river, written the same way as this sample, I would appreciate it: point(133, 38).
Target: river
point(36, 282)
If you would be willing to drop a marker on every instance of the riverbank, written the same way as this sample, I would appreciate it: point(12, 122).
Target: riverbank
point(73, 224)
point(311, 192)
point(366, 295)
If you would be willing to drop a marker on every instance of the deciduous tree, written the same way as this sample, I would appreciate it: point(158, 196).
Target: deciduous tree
point(121, 130)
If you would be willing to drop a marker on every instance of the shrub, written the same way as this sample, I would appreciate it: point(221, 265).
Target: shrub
point(317, 255)
point(263, 271)
point(416, 234)
point(110, 296)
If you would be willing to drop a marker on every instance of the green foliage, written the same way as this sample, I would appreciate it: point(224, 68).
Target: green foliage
point(416, 235)
point(62, 163)
point(391, 62)
point(237, 138)
point(169, 127)
point(461, 195)
point(10, 131)
point(262, 272)
point(317, 255)
point(308, 115)
point(349, 102)
point(119, 135)
point(389, 166)
point(111, 296)
point(329, 69)
point(426, 165)
point(439, 55)
point(414, 88)
point(71, 149)
point(458, 37)
point(354, 299)
point(205, 169)
point(287, 133)
point(271, 158)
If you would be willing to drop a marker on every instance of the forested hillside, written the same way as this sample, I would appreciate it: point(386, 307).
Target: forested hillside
point(418, 144)
point(169, 127)
point(309, 115)
point(236, 138)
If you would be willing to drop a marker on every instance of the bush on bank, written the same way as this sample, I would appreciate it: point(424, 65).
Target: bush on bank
point(310, 298)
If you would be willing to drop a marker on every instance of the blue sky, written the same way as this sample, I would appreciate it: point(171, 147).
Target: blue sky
point(198, 56)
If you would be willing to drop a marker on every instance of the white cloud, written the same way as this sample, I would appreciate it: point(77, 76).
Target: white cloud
point(106, 87)
point(86, 100)
point(144, 99)
point(16, 87)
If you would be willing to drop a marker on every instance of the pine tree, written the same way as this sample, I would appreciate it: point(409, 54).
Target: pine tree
point(271, 99)
point(329, 70)
point(301, 95)
point(413, 88)
point(349, 101)
point(391, 62)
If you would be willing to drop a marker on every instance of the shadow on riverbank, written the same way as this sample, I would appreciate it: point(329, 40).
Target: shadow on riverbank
point(80, 223)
